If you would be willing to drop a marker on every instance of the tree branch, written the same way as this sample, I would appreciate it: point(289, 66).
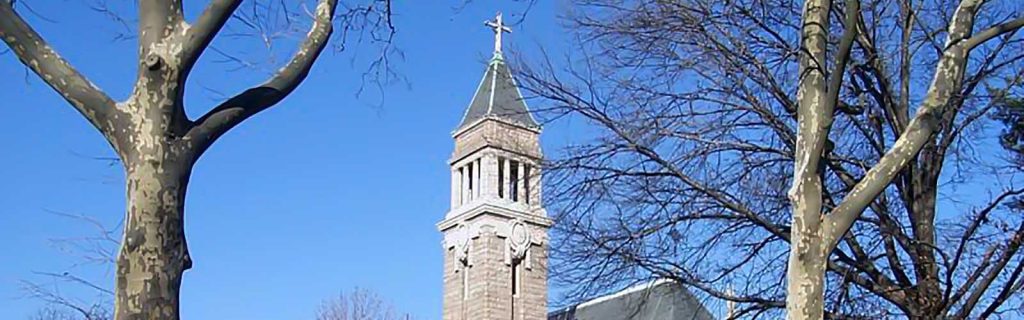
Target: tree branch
point(1009, 287)
point(947, 79)
point(993, 32)
point(980, 218)
point(983, 263)
point(813, 120)
point(843, 53)
point(38, 56)
point(1008, 253)
point(230, 113)
point(209, 23)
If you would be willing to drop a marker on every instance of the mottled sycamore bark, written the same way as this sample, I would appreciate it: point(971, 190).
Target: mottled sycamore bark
point(816, 231)
point(155, 140)
point(806, 273)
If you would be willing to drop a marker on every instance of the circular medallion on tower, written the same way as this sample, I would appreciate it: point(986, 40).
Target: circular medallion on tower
point(518, 239)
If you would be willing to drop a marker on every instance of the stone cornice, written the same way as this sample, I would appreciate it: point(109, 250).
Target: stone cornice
point(474, 210)
point(493, 149)
point(460, 131)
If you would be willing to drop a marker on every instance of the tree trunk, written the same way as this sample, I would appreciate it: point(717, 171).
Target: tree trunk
point(153, 253)
point(805, 295)
point(922, 219)
point(805, 276)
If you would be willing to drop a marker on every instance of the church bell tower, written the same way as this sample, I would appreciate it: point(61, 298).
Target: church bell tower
point(496, 232)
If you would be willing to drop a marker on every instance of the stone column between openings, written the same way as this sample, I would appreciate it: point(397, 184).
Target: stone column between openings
point(488, 176)
point(479, 178)
point(521, 181)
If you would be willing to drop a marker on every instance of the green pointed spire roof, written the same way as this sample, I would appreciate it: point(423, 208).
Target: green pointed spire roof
point(498, 97)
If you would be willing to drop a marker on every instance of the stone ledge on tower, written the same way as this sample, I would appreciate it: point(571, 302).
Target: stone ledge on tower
point(538, 217)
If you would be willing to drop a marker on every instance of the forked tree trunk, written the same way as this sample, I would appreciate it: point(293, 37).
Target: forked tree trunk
point(816, 231)
point(806, 272)
point(153, 137)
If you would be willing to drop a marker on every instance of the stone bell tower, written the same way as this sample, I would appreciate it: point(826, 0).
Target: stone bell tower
point(496, 232)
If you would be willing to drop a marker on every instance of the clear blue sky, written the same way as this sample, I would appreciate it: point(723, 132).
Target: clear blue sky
point(326, 191)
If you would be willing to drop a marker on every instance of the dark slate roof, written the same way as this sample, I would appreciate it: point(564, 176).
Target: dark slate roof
point(662, 299)
point(498, 97)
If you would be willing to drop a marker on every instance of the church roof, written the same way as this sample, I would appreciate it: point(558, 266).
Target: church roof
point(659, 299)
point(497, 96)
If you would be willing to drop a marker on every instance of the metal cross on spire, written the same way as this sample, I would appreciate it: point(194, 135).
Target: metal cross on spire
point(499, 28)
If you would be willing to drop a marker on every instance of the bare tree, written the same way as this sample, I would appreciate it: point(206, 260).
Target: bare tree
point(60, 307)
point(98, 248)
point(361, 304)
point(702, 111)
point(51, 313)
point(149, 131)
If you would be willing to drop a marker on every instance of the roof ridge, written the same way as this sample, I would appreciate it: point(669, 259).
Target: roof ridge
point(494, 82)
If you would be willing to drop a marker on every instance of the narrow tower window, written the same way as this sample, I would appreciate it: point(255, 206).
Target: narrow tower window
point(515, 278)
point(501, 177)
point(513, 180)
point(479, 178)
point(462, 176)
point(526, 182)
point(470, 184)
